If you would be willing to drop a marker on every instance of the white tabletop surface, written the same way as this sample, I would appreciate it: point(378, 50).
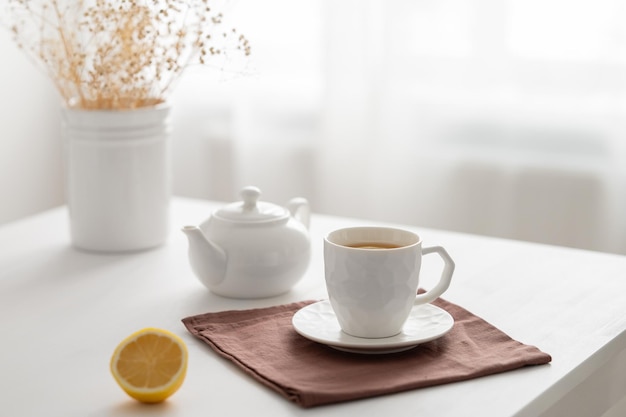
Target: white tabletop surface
point(63, 312)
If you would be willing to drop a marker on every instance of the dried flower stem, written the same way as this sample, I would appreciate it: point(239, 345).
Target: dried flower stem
point(120, 54)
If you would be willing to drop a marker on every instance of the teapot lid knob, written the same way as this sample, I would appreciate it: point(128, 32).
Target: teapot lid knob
point(250, 195)
point(251, 210)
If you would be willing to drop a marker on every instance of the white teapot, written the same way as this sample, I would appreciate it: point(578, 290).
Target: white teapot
point(251, 249)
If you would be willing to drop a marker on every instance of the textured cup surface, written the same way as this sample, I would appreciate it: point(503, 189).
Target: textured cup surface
point(372, 275)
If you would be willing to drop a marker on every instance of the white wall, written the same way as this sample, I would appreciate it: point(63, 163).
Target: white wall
point(31, 177)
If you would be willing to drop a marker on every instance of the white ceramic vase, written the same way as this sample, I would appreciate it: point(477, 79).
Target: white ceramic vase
point(118, 179)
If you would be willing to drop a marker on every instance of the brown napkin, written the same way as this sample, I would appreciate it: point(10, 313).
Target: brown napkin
point(264, 344)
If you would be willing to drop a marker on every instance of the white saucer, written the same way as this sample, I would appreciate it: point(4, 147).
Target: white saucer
point(317, 322)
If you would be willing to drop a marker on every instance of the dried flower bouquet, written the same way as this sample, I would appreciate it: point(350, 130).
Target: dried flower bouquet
point(120, 54)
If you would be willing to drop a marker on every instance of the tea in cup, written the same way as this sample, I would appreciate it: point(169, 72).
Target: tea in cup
point(372, 276)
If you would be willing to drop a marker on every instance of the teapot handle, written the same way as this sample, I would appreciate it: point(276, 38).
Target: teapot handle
point(299, 209)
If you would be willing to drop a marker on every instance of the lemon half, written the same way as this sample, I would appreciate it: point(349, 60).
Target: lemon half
point(150, 364)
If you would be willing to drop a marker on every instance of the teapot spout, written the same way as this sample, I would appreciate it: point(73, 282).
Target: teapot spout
point(208, 261)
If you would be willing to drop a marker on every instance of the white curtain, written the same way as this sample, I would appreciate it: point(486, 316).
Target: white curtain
point(499, 117)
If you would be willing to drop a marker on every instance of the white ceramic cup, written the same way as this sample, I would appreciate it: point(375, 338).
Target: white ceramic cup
point(372, 276)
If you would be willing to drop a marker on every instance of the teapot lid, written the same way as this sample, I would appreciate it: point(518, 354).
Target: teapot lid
point(250, 209)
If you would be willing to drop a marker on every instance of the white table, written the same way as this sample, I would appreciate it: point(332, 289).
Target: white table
point(64, 311)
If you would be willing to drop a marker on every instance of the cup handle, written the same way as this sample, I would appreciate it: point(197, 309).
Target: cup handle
point(444, 281)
